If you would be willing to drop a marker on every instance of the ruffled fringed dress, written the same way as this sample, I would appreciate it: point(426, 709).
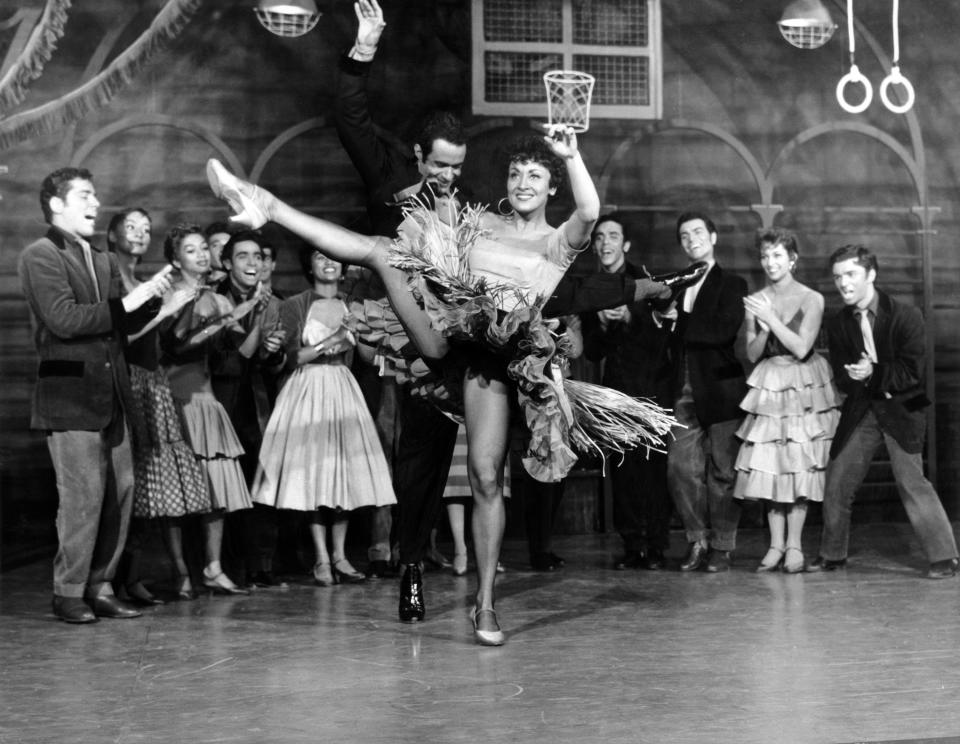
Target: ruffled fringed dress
point(205, 422)
point(321, 447)
point(487, 291)
point(792, 410)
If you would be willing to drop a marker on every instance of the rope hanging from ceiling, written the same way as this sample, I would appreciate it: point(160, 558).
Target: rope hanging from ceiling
point(36, 53)
point(99, 90)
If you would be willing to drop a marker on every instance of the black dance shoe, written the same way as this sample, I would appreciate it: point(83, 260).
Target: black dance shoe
point(826, 564)
point(683, 278)
point(412, 608)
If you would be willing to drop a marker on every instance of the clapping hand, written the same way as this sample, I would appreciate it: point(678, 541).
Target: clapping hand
point(177, 299)
point(762, 309)
point(156, 286)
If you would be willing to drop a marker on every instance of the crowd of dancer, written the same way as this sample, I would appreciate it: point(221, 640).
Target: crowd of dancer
point(201, 392)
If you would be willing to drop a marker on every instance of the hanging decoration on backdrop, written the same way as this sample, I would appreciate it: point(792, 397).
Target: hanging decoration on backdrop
point(100, 89)
point(806, 24)
point(895, 78)
point(857, 77)
point(36, 53)
point(854, 76)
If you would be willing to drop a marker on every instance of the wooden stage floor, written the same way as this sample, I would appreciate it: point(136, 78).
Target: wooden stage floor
point(864, 655)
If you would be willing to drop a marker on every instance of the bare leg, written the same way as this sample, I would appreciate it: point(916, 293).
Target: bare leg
point(777, 521)
point(339, 535)
point(318, 531)
point(794, 562)
point(455, 514)
point(487, 414)
point(338, 243)
point(213, 575)
point(174, 540)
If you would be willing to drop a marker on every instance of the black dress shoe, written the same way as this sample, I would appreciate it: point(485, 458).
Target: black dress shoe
point(825, 564)
point(72, 610)
point(412, 608)
point(627, 561)
point(379, 570)
point(718, 561)
point(264, 580)
point(696, 556)
point(653, 560)
point(106, 605)
point(543, 562)
point(683, 278)
point(943, 569)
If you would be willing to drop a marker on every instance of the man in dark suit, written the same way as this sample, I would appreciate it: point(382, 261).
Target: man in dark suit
point(877, 350)
point(708, 386)
point(634, 349)
point(80, 319)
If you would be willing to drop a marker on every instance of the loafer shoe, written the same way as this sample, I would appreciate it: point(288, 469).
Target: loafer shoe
point(826, 564)
point(943, 569)
point(72, 610)
point(696, 556)
point(718, 561)
point(106, 605)
point(627, 561)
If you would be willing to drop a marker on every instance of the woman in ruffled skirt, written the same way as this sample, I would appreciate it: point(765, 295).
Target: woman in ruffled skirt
point(168, 482)
point(791, 405)
point(187, 340)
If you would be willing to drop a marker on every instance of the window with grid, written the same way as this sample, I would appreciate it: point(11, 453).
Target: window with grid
point(617, 41)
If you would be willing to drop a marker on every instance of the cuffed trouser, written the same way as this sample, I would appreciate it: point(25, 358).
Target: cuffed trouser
point(95, 487)
point(846, 472)
point(701, 475)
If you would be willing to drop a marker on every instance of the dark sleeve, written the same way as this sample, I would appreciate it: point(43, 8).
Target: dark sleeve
point(292, 323)
point(718, 328)
point(590, 292)
point(47, 288)
point(901, 371)
point(839, 354)
point(355, 128)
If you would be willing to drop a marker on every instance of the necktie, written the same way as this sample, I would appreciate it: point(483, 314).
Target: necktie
point(88, 258)
point(867, 331)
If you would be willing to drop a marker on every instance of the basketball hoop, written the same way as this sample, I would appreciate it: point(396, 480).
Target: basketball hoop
point(287, 17)
point(568, 98)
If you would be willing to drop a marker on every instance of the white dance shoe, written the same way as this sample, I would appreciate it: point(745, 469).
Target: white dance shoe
point(487, 637)
point(251, 203)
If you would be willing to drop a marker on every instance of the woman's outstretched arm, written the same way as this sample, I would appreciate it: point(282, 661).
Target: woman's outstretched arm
point(563, 141)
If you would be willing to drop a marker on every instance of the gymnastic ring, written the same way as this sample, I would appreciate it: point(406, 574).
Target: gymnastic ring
point(895, 78)
point(854, 76)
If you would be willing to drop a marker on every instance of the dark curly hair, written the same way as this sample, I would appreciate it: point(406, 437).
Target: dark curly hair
point(175, 236)
point(531, 148)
